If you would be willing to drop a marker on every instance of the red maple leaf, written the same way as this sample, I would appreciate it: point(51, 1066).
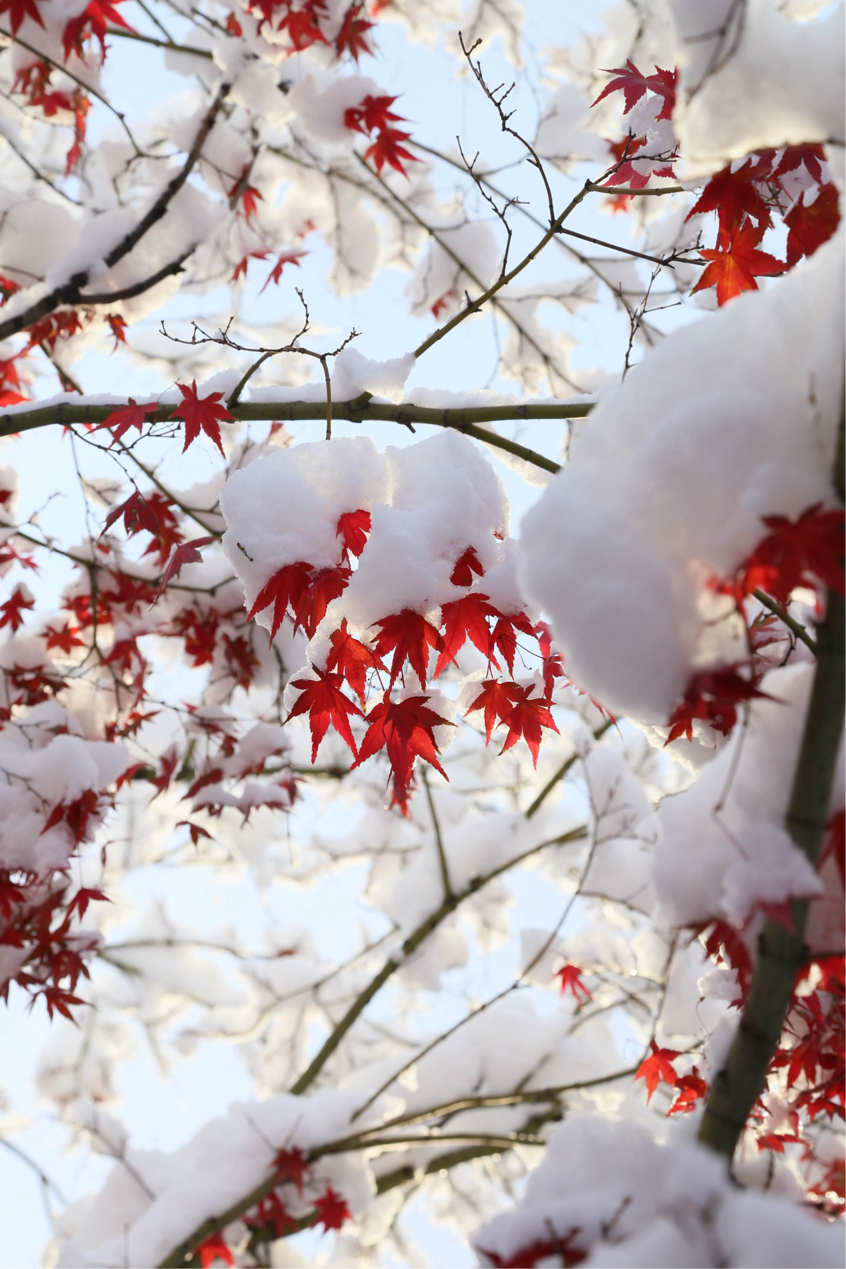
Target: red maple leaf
point(289, 257)
point(200, 413)
point(214, 1248)
point(571, 981)
point(404, 728)
point(388, 148)
point(272, 1213)
point(371, 113)
point(689, 1090)
point(463, 619)
point(713, 696)
point(240, 269)
point(527, 1256)
point(233, 26)
point(325, 584)
point(630, 82)
point(65, 638)
point(352, 37)
point(18, 10)
point(353, 528)
point(302, 29)
point(657, 1067)
point(725, 945)
point(331, 1210)
point(120, 421)
point(12, 609)
point(351, 658)
point(325, 703)
point(186, 553)
point(735, 262)
point(526, 720)
point(291, 1166)
point(285, 587)
point(466, 565)
point(804, 552)
point(137, 514)
point(95, 16)
point(245, 194)
point(195, 830)
point(504, 635)
point(811, 224)
point(411, 636)
point(83, 897)
point(732, 195)
point(117, 325)
point(497, 700)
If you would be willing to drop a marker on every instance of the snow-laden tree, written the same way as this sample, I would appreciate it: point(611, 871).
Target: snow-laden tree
point(580, 785)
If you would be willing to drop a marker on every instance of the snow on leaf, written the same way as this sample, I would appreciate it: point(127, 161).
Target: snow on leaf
point(465, 566)
point(325, 703)
point(526, 720)
point(629, 81)
point(410, 636)
point(657, 1067)
point(736, 262)
point(200, 414)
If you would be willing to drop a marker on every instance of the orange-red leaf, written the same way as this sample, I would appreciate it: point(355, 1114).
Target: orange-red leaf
point(467, 563)
point(200, 414)
point(331, 1210)
point(571, 981)
point(463, 619)
point(736, 262)
point(497, 700)
point(325, 703)
point(285, 587)
point(658, 1066)
point(811, 226)
point(803, 552)
point(351, 658)
point(410, 636)
point(527, 719)
point(132, 415)
point(405, 729)
point(353, 528)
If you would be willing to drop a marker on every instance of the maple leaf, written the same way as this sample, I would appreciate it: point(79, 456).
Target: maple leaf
point(803, 552)
point(725, 945)
point(713, 696)
point(465, 566)
point(411, 636)
point(371, 113)
point(463, 619)
point(388, 148)
point(324, 585)
point(504, 635)
point(689, 1090)
point(272, 1213)
point(527, 1256)
point(404, 728)
point(12, 609)
point(186, 553)
point(732, 195)
point(96, 15)
point(117, 325)
point(18, 10)
point(137, 515)
point(246, 195)
point(302, 29)
point(213, 1249)
point(497, 700)
point(195, 830)
point(325, 703)
point(353, 528)
point(629, 81)
point(83, 897)
point(571, 981)
point(352, 37)
point(657, 1067)
point(811, 224)
point(65, 638)
point(288, 257)
point(200, 413)
point(526, 720)
point(233, 26)
point(351, 658)
point(120, 421)
point(331, 1210)
point(291, 1166)
point(285, 587)
point(735, 263)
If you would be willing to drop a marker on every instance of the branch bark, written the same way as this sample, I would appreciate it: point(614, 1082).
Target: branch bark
point(781, 953)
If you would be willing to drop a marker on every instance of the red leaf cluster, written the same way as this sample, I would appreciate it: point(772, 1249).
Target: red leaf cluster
point(373, 115)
